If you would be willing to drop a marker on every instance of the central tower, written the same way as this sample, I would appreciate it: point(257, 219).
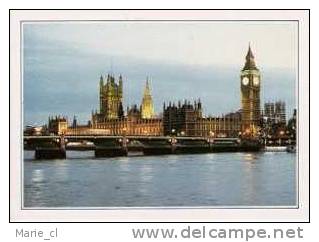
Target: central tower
point(147, 107)
point(250, 95)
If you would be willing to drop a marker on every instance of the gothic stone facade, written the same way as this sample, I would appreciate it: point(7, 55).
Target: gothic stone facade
point(228, 125)
point(132, 124)
point(181, 119)
point(111, 119)
point(111, 98)
point(187, 120)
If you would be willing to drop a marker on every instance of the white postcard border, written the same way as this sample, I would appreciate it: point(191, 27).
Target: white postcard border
point(244, 214)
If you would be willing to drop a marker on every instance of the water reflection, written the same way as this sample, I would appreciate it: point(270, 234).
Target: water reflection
point(37, 176)
point(146, 173)
point(249, 189)
point(250, 156)
point(234, 179)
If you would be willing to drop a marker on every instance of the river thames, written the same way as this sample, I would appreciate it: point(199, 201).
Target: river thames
point(216, 179)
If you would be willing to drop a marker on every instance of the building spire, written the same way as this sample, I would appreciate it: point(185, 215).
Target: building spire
point(250, 60)
point(147, 107)
point(147, 91)
point(147, 84)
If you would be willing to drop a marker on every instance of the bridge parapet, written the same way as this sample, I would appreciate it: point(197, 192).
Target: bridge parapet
point(105, 146)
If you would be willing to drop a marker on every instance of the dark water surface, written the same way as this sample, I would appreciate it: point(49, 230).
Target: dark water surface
point(223, 179)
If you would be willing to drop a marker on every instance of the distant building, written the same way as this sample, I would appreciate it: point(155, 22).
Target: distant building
point(292, 125)
point(275, 112)
point(57, 125)
point(147, 107)
point(281, 112)
point(269, 110)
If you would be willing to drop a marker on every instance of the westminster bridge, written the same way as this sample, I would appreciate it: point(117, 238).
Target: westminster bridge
point(52, 147)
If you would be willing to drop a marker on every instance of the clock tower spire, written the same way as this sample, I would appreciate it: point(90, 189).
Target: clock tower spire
point(250, 60)
point(250, 95)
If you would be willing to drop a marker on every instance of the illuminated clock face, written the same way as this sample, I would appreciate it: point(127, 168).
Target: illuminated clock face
point(256, 81)
point(245, 81)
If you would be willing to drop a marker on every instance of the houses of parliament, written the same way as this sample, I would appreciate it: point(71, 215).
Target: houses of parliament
point(183, 118)
point(111, 118)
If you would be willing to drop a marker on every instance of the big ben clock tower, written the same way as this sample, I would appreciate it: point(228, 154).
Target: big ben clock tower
point(250, 95)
